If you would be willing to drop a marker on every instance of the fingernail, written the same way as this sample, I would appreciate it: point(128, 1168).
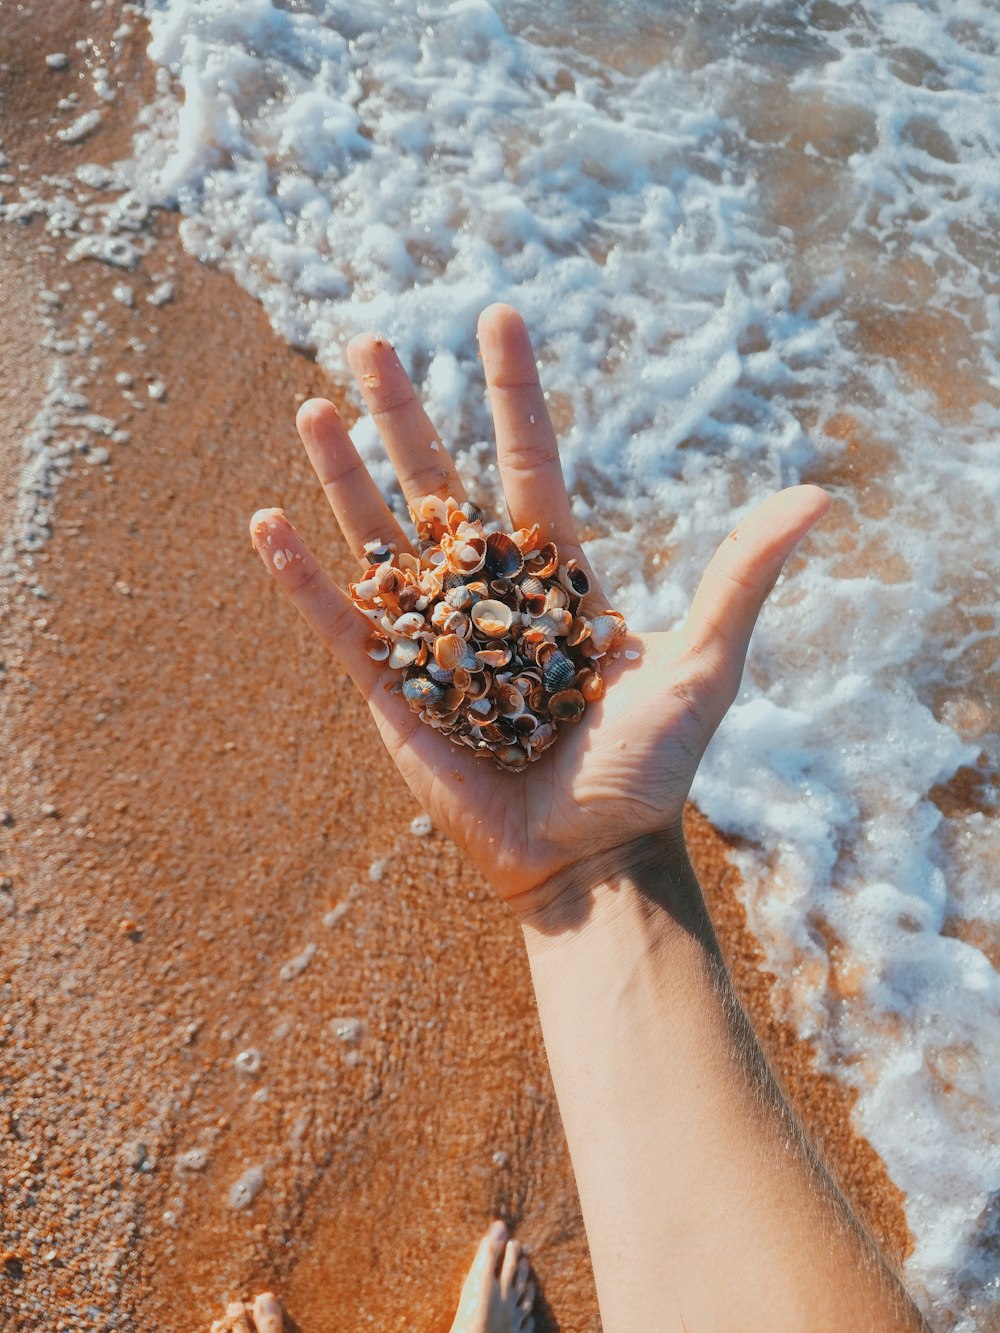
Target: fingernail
point(262, 526)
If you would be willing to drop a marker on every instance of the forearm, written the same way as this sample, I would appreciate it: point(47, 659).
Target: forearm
point(704, 1206)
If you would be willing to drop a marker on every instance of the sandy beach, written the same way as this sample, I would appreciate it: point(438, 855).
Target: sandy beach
point(226, 959)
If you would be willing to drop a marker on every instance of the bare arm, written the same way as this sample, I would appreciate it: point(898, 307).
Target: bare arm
point(704, 1206)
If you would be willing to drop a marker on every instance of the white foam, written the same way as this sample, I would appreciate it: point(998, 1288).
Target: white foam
point(744, 239)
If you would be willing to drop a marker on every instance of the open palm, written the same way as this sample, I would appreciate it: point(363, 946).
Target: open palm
point(625, 769)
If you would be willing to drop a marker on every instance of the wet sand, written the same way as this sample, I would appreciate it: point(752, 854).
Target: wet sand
point(194, 803)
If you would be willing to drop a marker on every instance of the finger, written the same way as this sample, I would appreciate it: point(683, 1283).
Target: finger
point(420, 459)
point(508, 1269)
point(743, 571)
point(330, 613)
point(354, 498)
point(527, 451)
point(267, 1313)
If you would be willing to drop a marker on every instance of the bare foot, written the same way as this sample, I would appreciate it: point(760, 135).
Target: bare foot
point(265, 1317)
point(498, 1293)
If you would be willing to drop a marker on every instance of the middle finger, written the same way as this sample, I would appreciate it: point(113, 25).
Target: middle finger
point(421, 461)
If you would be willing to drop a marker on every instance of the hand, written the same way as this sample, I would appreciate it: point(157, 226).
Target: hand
point(624, 770)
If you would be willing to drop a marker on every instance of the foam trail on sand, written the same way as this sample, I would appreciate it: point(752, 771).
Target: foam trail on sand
point(756, 244)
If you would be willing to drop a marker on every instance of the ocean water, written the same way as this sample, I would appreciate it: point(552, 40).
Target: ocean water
point(756, 243)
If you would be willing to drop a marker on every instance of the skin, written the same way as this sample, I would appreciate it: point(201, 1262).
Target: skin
point(704, 1205)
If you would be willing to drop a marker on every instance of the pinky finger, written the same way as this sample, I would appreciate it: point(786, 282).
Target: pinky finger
point(329, 612)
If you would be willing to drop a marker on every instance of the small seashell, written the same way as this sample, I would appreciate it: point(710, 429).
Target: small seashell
point(545, 563)
point(503, 556)
point(578, 631)
point(408, 563)
point(449, 650)
point(433, 510)
point(406, 652)
point(438, 673)
point(458, 596)
point(533, 604)
point(559, 672)
point(606, 633)
point(567, 705)
point(574, 578)
point(472, 513)
point(365, 591)
point(525, 723)
point(541, 738)
point(421, 690)
point(463, 557)
point(509, 700)
point(387, 579)
point(378, 551)
point(408, 598)
point(409, 625)
point(492, 618)
point(591, 685)
point(378, 648)
point(556, 599)
point(526, 538)
point(483, 710)
point(511, 757)
point(479, 684)
point(458, 623)
point(532, 586)
point(494, 657)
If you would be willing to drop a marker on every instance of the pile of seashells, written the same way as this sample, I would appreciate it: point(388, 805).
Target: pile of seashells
point(487, 631)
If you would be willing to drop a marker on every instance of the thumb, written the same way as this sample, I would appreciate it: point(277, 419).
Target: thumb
point(743, 571)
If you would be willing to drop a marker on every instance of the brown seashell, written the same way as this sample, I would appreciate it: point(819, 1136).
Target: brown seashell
point(567, 705)
point(525, 724)
point(494, 657)
point(591, 685)
point(378, 648)
point(607, 631)
point(408, 598)
point(545, 563)
point(556, 598)
point(503, 556)
point(509, 700)
point(541, 738)
point(578, 631)
point(479, 684)
point(535, 698)
point(511, 757)
point(449, 651)
point(526, 538)
point(492, 618)
point(478, 589)
point(533, 604)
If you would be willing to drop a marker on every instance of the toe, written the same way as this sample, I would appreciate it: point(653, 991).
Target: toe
point(526, 1299)
point(267, 1313)
point(238, 1318)
point(508, 1273)
point(521, 1279)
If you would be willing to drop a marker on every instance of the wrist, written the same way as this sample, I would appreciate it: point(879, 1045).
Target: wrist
point(647, 879)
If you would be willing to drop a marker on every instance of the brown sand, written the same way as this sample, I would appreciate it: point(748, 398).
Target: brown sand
point(192, 788)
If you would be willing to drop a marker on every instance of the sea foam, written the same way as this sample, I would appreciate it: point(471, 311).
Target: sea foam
point(755, 243)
